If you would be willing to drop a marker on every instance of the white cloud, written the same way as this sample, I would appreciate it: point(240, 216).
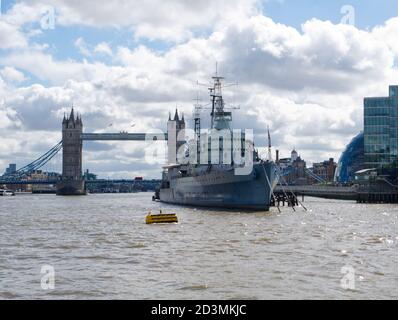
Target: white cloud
point(81, 45)
point(5, 118)
point(103, 48)
point(11, 37)
point(324, 56)
point(307, 84)
point(46, 68)
point(12, 22)
point(388, 34)
point(12, 75)
point(22, 13)
point(174, 20)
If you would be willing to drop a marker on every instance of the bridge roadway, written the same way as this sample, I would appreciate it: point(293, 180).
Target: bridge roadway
point(321, 191)
point(124, 136)
point(53, 182)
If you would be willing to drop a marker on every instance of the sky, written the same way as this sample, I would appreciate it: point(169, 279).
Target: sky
point(303, 68)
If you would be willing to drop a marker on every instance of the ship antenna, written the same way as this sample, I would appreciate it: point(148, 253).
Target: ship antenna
point(269, 145)
point(197, 125)
point(213, 105)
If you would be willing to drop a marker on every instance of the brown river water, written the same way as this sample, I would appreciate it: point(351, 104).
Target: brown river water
point(100, 248)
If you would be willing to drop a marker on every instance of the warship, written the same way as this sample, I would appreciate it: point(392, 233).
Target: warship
point(218, 167)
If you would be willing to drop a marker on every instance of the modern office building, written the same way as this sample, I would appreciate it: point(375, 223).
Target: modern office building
point(381, 130)
point(12, 168)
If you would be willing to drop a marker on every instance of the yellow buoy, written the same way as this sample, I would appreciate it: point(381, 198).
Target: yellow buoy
point(161, 218)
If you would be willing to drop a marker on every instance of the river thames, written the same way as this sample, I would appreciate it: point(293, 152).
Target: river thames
point(100, 248)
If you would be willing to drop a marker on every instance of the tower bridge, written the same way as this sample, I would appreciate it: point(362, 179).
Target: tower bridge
point(72, 182)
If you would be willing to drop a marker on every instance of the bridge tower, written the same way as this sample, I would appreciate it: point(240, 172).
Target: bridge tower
point(72, 182)
point(176, 134)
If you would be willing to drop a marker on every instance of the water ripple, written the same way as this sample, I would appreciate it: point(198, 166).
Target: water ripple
point(100, 247)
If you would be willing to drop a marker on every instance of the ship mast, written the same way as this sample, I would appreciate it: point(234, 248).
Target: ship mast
point(219, 118)
point(197, 125)
point(269, 145)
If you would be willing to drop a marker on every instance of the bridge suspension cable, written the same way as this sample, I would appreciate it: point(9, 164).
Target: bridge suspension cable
point(40, 162)
point(286, 172)
point(315, 176)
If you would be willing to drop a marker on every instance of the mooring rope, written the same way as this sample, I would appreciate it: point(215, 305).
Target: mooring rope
point(291, 191)
point(270, 187)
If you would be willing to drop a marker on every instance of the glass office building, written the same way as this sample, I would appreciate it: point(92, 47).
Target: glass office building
point(381, 130)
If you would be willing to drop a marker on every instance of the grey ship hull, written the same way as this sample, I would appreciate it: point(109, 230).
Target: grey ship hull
point(221, 188)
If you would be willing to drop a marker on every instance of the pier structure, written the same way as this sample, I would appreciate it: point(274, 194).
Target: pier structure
point(380, 191)
point(283, 198)
point(320, 191)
